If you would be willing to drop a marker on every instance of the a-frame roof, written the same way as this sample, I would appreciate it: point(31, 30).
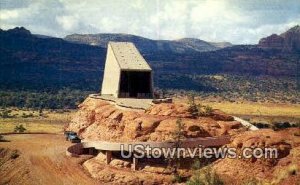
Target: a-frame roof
point(128, 56)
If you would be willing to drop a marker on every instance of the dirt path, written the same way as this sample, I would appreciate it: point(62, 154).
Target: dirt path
point(42, 160)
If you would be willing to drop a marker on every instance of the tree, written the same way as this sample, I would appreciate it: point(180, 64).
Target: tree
point(193, 107)
point(178, 136)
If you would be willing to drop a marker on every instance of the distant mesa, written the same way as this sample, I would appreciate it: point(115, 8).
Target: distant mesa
point(288, 41)
point(185, 45)
point(197, 44)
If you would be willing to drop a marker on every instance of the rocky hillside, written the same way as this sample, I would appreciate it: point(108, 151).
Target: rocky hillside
point(30, 62)
point(187, 45)
point(37, 62)
point(288, 41)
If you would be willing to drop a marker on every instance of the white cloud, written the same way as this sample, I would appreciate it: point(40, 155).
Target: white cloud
point(8, 14)
point(212, 20)
point(68, 22)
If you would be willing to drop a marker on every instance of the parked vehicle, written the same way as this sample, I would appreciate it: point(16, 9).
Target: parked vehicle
point(72, 136)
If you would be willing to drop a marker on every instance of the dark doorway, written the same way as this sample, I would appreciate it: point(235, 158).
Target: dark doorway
point(135, 84)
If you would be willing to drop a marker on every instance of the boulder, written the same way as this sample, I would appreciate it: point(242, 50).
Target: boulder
point(120, 163)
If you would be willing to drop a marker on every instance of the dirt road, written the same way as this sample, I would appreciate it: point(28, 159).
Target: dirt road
point(42, 160)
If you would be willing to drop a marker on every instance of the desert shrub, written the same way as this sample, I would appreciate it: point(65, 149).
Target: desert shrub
point(14, 154)
point(279, 125)
point(6, 114)
point(41, 111)
point(252, 181)
point(19, 129)
point(177, 178)
point(205, 176)
point(261, 125)
point(296, 125)
point(205, 111)
point(1, 138)
point(197, 109)
point(24, 115)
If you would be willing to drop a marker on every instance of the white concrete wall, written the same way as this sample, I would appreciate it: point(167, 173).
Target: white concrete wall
point(111, 77)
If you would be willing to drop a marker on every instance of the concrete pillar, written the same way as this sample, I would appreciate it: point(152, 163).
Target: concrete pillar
point(108, 156)
point(134, 163)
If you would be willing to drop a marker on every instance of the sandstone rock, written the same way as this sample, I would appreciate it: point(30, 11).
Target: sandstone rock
point(100, 120)
point(276, 171)
point(110, 174)
point(147, 124)
point(195, 128)
point(221, 116)
point(170, 109)
point(117, 116)
point(265, 138)
point(101, 157)
point(227, 125)
point(120, 163)
point(157, 169)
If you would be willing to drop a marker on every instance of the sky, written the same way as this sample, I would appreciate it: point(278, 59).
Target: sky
point(235, 21)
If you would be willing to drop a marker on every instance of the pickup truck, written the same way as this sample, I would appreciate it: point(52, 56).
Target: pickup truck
point(72, 136)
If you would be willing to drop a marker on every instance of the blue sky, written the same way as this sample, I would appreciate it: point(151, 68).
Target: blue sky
point(236, 21)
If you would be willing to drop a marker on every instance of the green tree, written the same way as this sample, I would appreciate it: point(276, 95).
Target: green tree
point(193, 107)
point(178, 136)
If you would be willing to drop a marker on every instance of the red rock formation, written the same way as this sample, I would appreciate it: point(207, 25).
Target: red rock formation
point(101, 120)
point(272, 41)
point(276, 171)
point(287, 41)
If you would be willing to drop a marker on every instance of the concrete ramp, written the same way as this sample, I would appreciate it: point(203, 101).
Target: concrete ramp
point(245, 123)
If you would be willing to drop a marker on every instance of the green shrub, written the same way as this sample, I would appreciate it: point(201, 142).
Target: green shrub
point(207, 111)
point(6, 114)
point(197, 109)
point(19, 129)
point(178, 178)
point(177, 136)
point(205, 176)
